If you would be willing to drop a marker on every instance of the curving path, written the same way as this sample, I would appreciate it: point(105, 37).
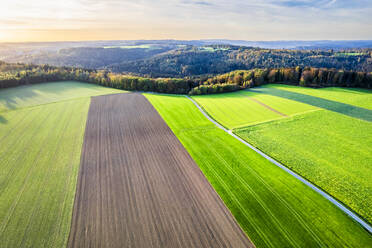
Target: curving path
point(303, 180)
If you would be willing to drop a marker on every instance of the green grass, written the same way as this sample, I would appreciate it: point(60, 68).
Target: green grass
point(285, 106)
point(26, 96)
point(332, 150)
point(329, 146)
point(213, 49)
point(350, 54)
point(40, 155)
point(356, 97)
point(272, 207)
point(144, 46)
point(41, 135)
point(241, 108)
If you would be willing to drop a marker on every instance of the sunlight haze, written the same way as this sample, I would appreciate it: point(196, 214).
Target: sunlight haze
point(42, 20)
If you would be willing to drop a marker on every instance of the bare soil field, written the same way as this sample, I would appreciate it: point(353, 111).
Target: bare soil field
point(138, 186)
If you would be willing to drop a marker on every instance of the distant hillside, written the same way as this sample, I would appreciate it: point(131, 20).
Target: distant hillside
point(12, 75)
point(289, 44)
point(172, 58)
point(88, 57)
point(192, 61)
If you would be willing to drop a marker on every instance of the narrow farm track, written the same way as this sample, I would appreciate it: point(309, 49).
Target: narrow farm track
point(138, 186)
point(343, 208)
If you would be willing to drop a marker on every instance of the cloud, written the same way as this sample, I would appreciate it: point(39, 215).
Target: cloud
point(332, 2)
point(306, 3)
point(203, 3)
point(197, 3)
point(193, 19)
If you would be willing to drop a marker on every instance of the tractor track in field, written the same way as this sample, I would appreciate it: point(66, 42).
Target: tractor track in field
point(267, 107)
point(138, 186)
point(338, 204)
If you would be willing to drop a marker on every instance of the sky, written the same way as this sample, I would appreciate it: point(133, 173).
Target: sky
point(70, 20)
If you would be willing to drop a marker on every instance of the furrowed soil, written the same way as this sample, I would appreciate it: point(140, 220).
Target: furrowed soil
point(138, 187)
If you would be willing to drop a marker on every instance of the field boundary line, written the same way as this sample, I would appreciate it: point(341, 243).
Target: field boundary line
point(253, 124)
point(58, 101)
point(335, 202)
point(265, 106)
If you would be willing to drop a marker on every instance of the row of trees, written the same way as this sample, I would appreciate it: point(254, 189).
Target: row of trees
point(162, 85)
point(315, 77)
point(42, 74)
point(12, 75)
point(310, 77)
point(214, 88)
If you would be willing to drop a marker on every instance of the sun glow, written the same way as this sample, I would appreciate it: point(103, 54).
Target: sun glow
point(42, 20)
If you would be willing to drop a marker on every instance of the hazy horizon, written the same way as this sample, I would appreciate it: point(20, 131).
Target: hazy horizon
point(252, 20)
point(217, 39)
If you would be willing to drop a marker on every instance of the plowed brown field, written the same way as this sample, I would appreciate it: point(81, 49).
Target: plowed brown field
point(138, 187)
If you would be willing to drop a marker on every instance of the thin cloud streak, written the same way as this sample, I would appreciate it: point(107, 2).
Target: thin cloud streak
point(189, 19)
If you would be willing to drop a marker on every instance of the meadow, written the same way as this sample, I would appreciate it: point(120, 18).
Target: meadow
point(352, 96)
point(143, 46)
point(351, 54)
point(324, 134)
point(272, 207)
point(213, 49)
point(242, 108)
point(329, 149)
point(41, 134)
point(38, 94)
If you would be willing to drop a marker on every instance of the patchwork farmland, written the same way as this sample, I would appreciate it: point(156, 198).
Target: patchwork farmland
point(138, 187)
point(242, 108)
point(41, 135)
point(273, 208)
point(87, 166)
point(325, 137)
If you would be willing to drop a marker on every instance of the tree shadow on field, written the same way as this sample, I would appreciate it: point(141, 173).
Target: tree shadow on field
point(342, 108)
point(2, 120)
point(348, 90)
point(9, 97)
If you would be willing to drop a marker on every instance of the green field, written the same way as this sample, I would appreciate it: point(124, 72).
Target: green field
point(144, 46)
point(351, 54)
point(40, 156)
point(41, 135)
point(326, 135)
point(274, 209)
point(213, 49)
point(332, 150)
point(356, 97)
point(26, 96)
point(244, 108)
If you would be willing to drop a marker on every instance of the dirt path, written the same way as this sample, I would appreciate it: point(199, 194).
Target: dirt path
point(138, 187)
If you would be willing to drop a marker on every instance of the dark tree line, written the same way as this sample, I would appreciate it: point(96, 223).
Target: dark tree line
point(12, 75)
point(307, 77)
point(18, 74)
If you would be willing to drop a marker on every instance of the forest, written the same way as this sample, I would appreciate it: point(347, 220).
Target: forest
point(306, 77)
point(191, 61)
point(12, 75)
point(185, 60)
